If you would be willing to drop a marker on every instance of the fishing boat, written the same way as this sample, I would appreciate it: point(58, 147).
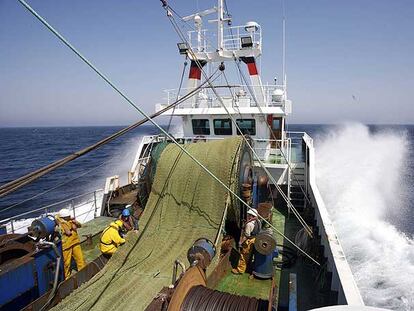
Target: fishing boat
point(191, 193)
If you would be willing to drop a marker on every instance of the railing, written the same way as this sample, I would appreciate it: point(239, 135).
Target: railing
point(76, 204)
point(262, 146)
point(232, 96)
point(142, 157)
point(206, 40)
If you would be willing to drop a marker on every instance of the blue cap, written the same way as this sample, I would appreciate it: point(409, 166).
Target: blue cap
point(126, 212)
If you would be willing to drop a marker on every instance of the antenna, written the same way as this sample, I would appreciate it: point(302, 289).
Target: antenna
point(284, 44)
point(198, 23)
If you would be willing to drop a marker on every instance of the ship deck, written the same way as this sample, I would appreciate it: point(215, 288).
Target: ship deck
point(306, 295)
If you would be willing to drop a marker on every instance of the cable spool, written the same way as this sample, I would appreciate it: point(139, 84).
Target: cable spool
point(201, 298)
point(201, 253)
point(265, 242)
point(43, 227)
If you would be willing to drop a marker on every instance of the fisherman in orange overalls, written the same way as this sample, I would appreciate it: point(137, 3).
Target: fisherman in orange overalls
point(251, 229)
point(70, 241)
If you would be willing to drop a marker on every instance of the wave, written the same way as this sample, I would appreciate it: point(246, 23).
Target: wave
point(361, 177)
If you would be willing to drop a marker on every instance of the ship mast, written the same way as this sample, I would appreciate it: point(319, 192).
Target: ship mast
point(220, 26)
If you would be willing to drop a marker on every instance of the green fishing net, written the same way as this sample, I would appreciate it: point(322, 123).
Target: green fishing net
point(185, 204)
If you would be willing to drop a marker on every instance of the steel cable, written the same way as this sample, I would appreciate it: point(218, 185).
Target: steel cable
point(201, 298)
point(28, 178)
point(286, 199)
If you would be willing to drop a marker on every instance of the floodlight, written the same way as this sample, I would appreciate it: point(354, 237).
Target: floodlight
point(182, 48)
point(246, 42)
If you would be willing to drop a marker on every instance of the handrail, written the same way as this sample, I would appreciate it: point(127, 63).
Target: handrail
point(270, 86)
point(16, 217)
point(72, 208)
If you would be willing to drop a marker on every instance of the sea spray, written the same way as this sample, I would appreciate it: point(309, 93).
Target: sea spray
point(122, 157)
point(360, 177)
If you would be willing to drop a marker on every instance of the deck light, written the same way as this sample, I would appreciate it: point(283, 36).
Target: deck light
point(182, 48)
point(246, 42)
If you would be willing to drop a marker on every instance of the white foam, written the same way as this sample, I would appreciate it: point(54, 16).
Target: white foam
point(360, 176)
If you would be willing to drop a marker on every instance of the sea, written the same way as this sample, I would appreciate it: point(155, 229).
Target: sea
point(365, 174)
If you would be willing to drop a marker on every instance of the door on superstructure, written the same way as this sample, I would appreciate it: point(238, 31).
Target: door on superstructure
point(276, 126)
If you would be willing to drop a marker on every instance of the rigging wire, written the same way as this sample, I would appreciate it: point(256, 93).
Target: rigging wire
point(286, 199)
point(232, 94)
point(131, 103)
point(271, 131)
point(242, 76)
point(53, 188)
point(246, 83)
point(28, 178)
point(178, 94)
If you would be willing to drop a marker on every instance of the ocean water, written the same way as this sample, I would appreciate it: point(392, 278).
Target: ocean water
point(365, 174)
point(23, 150)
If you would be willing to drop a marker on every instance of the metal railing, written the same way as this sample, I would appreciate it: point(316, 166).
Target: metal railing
point(232, 96)
point(206, 40)
point(18, 222)
point(263, 146)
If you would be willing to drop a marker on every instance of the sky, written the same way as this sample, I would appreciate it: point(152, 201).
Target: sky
point(346, 60)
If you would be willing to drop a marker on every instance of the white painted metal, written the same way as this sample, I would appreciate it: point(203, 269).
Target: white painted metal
point(111, 184)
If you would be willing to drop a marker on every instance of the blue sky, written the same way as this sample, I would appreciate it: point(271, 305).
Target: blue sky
point(335, 49)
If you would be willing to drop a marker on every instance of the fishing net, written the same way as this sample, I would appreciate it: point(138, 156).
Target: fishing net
point(185, 204)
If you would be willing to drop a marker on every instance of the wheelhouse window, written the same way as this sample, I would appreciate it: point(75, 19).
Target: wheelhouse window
point(222, 127)
point(276, 124)
point(247, 126)
point(201, 126)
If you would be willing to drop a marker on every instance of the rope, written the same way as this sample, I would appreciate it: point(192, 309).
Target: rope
point(149, 118)
point(286, 199)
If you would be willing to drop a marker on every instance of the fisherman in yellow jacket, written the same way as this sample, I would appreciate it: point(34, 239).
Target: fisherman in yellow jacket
point(70, 241)
point(111, 238)
point(247, 239)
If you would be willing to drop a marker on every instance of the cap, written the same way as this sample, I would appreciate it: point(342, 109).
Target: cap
point(64, 212)
point(252, 212)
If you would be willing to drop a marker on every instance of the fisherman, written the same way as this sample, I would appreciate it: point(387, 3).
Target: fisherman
point(246, 243)
point(111, 238)
point(130, 223)
point(70, 241)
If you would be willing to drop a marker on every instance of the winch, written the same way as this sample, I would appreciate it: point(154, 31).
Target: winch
point(29, 264)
